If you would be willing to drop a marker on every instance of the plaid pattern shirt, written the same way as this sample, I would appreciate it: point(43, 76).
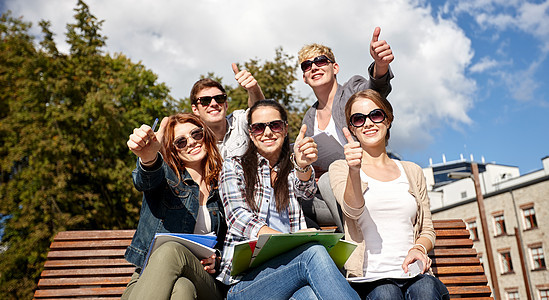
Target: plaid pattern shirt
point(243, 223)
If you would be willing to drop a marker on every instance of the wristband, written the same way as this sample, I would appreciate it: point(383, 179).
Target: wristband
point(297, 167)
point(420, 245)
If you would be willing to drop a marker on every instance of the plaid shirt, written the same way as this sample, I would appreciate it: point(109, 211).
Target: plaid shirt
point(244, 224)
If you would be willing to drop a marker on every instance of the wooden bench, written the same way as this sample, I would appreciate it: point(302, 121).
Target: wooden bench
point(91, 264)
point(86, 264)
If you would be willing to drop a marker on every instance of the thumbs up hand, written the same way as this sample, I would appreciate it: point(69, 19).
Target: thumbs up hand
point(381, 53)
point(352, 151)
point(244, 78)
point(305, 150)
point(145, 143)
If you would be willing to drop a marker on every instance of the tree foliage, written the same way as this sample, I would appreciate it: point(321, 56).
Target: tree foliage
point(64, 122)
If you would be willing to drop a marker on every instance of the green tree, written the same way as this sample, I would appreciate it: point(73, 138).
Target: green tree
point(64, 122)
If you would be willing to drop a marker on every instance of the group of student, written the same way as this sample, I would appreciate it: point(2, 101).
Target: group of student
point(238, 176)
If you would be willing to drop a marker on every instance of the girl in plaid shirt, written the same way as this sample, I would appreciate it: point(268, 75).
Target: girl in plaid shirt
point(259, 192)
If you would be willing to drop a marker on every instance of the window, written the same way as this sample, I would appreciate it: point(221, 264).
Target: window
point(499, 221)
point(538, 258)
point(529, 218)
point(506, 263)
point(544, 294)
point(463, 195)
point(514, 295)
point(473, 230)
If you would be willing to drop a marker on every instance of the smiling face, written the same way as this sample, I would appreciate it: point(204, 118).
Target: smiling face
point(213, 113)
point(370, 135)
point(320, 76)
point(269, 143)
point(194, 152)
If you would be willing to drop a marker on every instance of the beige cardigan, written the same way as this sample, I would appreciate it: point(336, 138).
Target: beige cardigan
point(423, 225)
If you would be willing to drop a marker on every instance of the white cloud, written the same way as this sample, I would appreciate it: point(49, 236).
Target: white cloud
point(180, 40)
point(484, 64)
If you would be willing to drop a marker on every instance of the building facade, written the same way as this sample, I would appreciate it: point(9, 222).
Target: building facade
point(517, 215)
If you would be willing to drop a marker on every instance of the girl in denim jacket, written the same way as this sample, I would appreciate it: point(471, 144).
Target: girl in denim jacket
point(177, 171)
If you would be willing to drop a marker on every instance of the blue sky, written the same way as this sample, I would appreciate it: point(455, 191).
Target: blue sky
point(471, 76)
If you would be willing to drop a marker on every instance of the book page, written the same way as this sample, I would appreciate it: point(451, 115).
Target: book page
point(329, 150)
point(413, 270)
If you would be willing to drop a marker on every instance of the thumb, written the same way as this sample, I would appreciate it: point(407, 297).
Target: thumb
point(160, 132)
point(348, 135)
point(235, 69)
point(301, 134)
point(375, 37)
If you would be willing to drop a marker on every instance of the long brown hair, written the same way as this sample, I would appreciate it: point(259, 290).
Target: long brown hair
point(249, 163)
point(212, 161)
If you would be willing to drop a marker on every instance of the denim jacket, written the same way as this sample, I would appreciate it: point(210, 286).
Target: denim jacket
point(169, 205)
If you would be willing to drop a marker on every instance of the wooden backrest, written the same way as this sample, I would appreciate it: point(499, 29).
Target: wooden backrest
point(455, 262)
point(86, 264)
point(92, 264)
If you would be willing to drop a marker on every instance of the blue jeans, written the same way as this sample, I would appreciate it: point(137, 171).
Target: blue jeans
point(422, 286)
point(306, 272)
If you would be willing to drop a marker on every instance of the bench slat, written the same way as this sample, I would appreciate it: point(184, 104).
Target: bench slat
point(88, 272)
point(94, 235)
point(87, 253)
point(453, 261)
point(90, 244)
point(453, 252)
point(454, 242)
point(464, 280)
point(470, 290)
point(76, 292)
point(88, 281)
point(449, 223)
point(454, 270)
point(452, 233)
point(71, 263)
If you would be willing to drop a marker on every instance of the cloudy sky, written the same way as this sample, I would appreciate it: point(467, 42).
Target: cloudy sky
point(471, 76)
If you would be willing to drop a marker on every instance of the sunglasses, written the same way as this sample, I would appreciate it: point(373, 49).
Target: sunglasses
point(206, 100)
point(377, 116)
point(196, 134)
point(319, 61)
point(275, 126)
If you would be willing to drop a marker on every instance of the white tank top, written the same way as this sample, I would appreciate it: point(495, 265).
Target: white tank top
point(331, 130)
point(387, 225)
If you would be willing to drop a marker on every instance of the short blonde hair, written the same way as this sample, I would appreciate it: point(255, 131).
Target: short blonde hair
point(314, 50)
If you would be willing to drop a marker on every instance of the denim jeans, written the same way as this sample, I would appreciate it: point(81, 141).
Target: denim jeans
point(173, 272)
point(306, 272)
point(422, 286)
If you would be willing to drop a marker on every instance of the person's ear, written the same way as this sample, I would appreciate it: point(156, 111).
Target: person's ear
point(195, 109)
point(336, 68)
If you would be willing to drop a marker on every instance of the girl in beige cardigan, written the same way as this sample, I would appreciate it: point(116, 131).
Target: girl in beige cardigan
point(385, 211)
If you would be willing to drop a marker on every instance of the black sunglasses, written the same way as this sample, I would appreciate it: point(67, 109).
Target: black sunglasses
point(206, 100)
point(275, 126)
point(377, 116)
point(319, 61)
point(197, 134)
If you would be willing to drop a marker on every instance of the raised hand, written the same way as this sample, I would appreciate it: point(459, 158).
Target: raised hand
point(145, 143)
point(381, 53)
point(305, 150)
point(247, 81)
point(352, 151)
point(244, 78)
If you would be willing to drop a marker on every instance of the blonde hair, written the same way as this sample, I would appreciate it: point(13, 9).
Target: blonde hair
point(314, 50)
